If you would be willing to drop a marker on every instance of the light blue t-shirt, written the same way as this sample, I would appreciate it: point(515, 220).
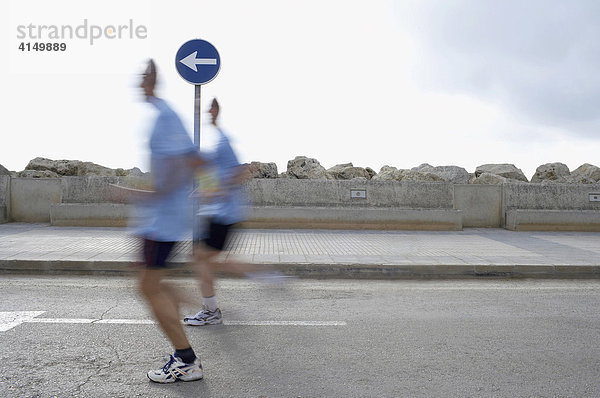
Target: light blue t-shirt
point(223, 163)
point(168, 217)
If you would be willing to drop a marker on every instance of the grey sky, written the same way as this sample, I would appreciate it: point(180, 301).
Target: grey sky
point(538, 58)
point(378, 82)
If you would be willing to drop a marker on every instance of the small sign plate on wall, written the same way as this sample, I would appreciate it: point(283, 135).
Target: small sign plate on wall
point(358, 193)
point(595, 197)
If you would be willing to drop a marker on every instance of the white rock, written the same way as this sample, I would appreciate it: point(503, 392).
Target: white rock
point(4, 171)
point(587, 170)
point(489, 179)
point(551, 172)
point(262, 170)
point(302, 167)
point(454, 174)
point(389, 173)
point(410, 175)
point(503, 170)
point(347, 171)
point(75, 168)
point(37, 174)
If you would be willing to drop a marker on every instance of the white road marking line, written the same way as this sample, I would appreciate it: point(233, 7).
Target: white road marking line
point(284, 323)
point(151, 322)
point(89, 320)
point(60, 320)
point(9, 320)
point(127, 321)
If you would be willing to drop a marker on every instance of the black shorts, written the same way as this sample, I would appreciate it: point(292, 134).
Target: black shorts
point(156, 253)
point(216, 235)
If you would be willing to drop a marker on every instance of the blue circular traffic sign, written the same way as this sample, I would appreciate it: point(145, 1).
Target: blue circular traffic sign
point(197, 61)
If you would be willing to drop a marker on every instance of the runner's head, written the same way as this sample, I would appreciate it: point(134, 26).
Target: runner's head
point(149, 79)
point(214, 111)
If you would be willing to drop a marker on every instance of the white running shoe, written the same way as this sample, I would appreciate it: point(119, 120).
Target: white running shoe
point(204, 317)
point(175, 369)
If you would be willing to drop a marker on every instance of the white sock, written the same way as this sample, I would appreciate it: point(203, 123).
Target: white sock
point(210, 303)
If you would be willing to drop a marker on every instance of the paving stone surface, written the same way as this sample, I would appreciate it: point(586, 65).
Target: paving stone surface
point(334, 252)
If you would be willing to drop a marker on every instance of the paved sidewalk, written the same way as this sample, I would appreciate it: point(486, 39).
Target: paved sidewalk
point(40, 248)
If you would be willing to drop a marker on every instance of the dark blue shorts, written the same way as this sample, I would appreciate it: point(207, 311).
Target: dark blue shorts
point(156, 253)
point(217, 235)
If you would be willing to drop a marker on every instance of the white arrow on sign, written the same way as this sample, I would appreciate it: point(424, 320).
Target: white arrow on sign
point(191, 61)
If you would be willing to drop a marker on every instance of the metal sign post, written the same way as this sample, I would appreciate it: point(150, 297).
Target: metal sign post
point(197, 62)
point(197, 114)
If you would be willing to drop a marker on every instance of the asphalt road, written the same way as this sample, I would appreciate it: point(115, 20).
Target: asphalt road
point(92, 337)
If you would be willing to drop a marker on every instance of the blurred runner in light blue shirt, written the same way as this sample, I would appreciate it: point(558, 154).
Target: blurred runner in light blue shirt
point(168, 215)
point(168, 220)
point(222, 202)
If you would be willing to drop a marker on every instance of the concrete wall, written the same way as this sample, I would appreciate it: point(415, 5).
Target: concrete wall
point(337, 193)
point(31, 198)
point(4, 198)
point(481, 205)
point(283, 203)
point(320, 201)
point(549, 196)
point(552, 207)
point(553, 220)
point(381, 218)
point(90, 214)
point(96, 189)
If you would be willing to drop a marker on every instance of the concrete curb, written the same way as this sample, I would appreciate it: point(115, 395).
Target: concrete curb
point(337, 271)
